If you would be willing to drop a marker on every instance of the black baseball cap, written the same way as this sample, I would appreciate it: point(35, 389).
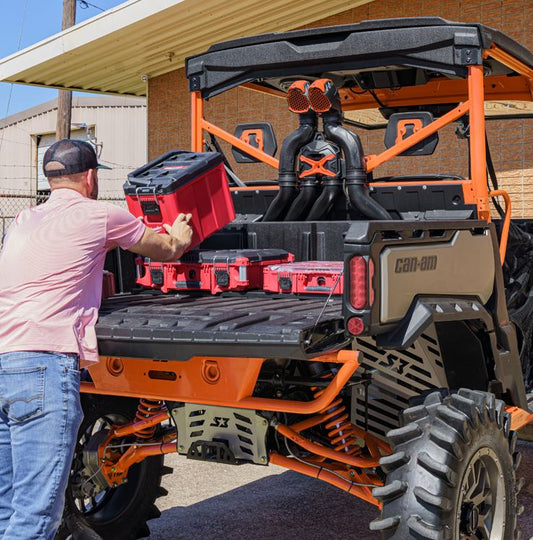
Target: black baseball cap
point(70, 156)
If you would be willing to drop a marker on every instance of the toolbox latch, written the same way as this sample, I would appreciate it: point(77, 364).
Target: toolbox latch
point(157, 277)
point(150, 207)
point(285, 283)
point(222, 277)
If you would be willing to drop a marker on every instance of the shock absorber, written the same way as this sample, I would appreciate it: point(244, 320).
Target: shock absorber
point(146, 409)
point(339, 429)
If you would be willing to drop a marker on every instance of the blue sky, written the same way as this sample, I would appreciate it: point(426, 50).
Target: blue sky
point(27, 22)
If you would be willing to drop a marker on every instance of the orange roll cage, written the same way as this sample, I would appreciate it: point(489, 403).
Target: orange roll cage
point(471, 94)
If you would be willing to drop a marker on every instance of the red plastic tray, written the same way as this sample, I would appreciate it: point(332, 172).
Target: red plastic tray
point(310, 277)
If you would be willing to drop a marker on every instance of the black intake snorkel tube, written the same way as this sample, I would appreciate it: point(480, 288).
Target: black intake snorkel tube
point(288, 189)
point(309, 190)
point(324, 204)
point(356, 175)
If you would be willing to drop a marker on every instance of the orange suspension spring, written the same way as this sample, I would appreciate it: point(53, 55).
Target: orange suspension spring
point(340, 430)
point(146, 409)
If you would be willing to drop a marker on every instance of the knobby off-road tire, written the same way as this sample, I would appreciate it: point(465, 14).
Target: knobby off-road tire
point(451, 475)
point(116, 513)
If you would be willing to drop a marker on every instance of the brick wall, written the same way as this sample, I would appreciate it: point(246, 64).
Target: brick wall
point(511, 141)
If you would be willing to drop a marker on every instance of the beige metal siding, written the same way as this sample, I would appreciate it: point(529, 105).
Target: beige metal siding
point(120, 134)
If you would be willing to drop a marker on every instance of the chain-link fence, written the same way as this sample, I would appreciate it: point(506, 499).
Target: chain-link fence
point(12, 204)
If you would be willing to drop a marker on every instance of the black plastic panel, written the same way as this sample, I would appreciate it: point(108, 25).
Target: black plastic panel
point(177, 328)
point(429, 43)
point(403, 125)
point(420, 199)
point(253, 201)
point(308, 241)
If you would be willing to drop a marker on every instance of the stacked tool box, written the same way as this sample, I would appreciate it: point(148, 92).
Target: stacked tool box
point(181, 182)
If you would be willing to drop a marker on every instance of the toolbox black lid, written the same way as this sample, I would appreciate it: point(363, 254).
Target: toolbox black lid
point(231, 255)
point(169, 172)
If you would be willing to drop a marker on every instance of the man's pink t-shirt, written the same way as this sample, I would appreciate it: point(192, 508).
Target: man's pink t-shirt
point(51, 269)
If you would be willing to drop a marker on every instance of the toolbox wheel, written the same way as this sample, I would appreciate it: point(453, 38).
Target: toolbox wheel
point(451, 475)
point(117, 513)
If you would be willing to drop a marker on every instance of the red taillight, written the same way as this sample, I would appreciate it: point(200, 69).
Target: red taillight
point(355, 326)
point(370, 279)
point(358, 283)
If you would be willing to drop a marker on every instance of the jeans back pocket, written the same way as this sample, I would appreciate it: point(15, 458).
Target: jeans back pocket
point(22, 392)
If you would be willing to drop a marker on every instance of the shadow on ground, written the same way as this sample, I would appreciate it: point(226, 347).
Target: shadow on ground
point(283, 505)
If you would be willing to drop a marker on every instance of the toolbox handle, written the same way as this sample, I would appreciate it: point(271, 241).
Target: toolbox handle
point(140, 181)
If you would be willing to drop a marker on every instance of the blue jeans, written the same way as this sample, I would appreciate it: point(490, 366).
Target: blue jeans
point(40, 414)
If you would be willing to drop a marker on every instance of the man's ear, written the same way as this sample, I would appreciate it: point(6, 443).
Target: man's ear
point(92, 183)
point(89, 180)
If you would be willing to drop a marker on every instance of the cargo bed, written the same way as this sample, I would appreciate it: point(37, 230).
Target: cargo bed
point(252, 325)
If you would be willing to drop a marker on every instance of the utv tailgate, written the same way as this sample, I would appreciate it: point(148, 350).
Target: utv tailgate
point(180, 327)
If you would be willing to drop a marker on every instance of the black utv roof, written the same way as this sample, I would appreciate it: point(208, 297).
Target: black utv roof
point(422, 45)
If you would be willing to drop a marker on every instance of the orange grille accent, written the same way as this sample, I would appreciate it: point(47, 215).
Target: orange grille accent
point(317, 167)
point(298, 103)
point(297, 97)
point(319, 101)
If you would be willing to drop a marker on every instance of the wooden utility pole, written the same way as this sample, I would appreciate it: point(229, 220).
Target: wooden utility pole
point(64, 97)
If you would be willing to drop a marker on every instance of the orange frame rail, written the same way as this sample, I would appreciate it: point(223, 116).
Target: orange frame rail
point(224, 382)
point(351, 471)
point(199, 124)
point(506, 221)
point(513, 63)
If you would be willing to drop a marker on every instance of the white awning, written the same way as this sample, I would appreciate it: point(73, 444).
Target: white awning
point(117, 51)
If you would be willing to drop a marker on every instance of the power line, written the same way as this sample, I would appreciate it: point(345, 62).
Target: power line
point(85, 5)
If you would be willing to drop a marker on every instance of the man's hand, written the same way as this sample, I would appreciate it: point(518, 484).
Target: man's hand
point(163, 247)
point(181, 230)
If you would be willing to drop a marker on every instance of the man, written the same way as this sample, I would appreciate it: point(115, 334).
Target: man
point(51, 269)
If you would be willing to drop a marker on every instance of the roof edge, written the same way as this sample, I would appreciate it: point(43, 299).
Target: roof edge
point(77, 102)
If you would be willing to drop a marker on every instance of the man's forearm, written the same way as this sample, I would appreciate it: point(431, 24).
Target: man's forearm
point(159, 247)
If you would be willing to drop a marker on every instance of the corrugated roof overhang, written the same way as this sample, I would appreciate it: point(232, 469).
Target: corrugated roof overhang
point(115, 52)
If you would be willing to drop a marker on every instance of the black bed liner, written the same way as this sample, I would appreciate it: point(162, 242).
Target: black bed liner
point(166, 327)
point(427, 43)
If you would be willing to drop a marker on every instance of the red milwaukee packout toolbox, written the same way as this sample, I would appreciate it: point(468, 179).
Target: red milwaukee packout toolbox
point(310, 277)
point(213, 271)
point(150, 274)
point(182, 182)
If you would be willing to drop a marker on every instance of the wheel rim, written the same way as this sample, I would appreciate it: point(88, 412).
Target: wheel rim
point(482, 500)
point(88, 498)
